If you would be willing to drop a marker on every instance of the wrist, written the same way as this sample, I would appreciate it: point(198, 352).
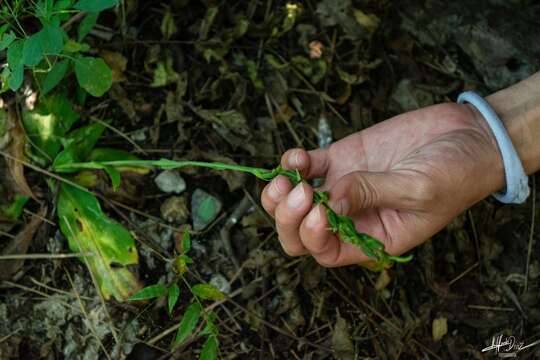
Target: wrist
point(518, 107)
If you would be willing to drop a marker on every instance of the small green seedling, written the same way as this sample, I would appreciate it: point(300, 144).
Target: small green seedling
point(341, 225)
point(195, 311)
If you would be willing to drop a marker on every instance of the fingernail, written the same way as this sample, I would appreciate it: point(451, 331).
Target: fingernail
point(313, 218)
point(273, 190)
point(296, 197)
point(294, 159)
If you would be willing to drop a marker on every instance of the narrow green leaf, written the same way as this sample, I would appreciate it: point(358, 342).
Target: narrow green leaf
point(149, 292)
point(93, 75)
point(210, 328)
point(54, 76)
point(114, 174)
point(187, 324)
point(207, 292)
point(209, 349)
point(172, 298)
point(89, 230)
point(94, 5)
point(86, 25)
point(186, 241)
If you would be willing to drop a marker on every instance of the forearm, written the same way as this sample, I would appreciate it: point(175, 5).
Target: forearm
point(519, 108)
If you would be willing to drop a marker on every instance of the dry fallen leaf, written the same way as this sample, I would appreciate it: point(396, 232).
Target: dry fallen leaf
point(16, 150)
point(19, 245)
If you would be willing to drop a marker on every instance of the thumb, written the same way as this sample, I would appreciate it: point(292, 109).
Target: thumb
point(390, 189)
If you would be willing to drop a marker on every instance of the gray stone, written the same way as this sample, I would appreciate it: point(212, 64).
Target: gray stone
point(169, 181)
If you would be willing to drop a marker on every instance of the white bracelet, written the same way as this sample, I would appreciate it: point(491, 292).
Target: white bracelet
point(517, 184)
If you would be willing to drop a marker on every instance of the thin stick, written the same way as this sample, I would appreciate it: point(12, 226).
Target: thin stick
point(43, 256)
point(490, 308)
point(463, 273)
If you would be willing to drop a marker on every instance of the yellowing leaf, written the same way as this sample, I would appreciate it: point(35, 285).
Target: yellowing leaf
point(89, 230)
point(369, 21)
point(207, 292)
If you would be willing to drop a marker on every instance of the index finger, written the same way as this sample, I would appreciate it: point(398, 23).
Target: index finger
point(311, 164)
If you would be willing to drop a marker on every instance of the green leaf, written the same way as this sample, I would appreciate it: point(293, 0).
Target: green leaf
point(114, 174)
point(209, 349)
point(54, 76)
point(186, 241)
point(61, 5)
point(164, 73)
point(15, 208)
point(48, 123)
point(15, 62)
point(94, 5)
point(89, 230)
point(172, 298)
point(207, 292)
point(32, 50)
point(6, 40)
point(187, 324)
point(210, 328)
point(149, 292)
point(79, 144)
point(86, 25)
point(48, 40)
point(93, 75)
point(52, 38)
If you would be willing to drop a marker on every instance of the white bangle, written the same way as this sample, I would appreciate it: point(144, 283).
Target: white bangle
point(517, 184)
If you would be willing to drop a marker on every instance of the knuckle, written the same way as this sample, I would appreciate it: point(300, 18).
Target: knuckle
point(364, 192)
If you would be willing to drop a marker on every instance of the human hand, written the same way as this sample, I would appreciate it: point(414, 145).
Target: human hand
point(401, 181)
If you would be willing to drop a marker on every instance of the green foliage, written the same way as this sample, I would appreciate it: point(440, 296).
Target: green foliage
point(93, 75)
point(94, 5)
point(79, 144)
point(207, 292)
point(51, 50)
point(187, 324)
point(54, 76)
point(149, 292)
point(172, 297)
point(47, 124)
point(209, 349)
point(89, 230)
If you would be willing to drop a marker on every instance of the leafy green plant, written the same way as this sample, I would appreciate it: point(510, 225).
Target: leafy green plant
point(50, 53)
point(341, 225)
point(195, 311)
point(43, 38)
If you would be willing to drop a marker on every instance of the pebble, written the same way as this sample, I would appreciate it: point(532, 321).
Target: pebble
point(175, 210)
point(221, 283)
point(205, 209)
point(169, 181)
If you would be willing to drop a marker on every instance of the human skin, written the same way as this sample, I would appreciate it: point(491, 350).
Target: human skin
point(404, 179)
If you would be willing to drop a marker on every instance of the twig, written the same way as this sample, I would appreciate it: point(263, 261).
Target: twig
point(463, 273)
point(43, 256)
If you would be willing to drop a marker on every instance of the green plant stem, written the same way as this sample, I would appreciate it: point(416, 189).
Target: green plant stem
point(341, 225)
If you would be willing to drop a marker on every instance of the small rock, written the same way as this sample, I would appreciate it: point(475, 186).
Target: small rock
point(169, 181)
point(175, 210)
point(383, 280)
point(205, 209)
point(439, 328)
point(221, 283)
